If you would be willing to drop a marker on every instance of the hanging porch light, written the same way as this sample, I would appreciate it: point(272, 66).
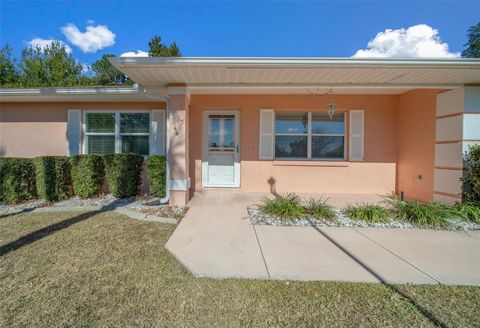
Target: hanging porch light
point(331, 106)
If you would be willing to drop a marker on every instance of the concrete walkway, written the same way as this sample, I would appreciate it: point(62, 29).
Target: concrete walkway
point(216, 239)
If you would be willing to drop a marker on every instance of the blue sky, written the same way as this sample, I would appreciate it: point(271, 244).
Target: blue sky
point(320, 29)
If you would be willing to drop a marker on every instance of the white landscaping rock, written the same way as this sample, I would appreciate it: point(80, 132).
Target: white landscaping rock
point(257, 217)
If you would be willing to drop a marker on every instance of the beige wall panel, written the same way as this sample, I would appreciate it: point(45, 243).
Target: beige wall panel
point(448, 181)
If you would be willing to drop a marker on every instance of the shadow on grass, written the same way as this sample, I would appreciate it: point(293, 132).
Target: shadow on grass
point(425, 312)
point(44, 232)
point(25, 210)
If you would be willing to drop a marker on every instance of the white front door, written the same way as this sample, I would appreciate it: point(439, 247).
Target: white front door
point(221, 162)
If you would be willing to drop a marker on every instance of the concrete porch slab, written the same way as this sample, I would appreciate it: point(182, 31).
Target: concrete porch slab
point(216, 239)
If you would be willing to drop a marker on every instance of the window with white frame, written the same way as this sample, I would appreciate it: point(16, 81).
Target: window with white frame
point(309, 135)
point(117, 132)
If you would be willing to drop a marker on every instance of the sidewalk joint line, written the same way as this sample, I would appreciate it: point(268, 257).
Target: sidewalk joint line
point(422, 310)
point(261, 250)
point(397, 256)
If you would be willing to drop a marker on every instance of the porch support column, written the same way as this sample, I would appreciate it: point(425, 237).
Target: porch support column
point(179, 149)
point(457, 127)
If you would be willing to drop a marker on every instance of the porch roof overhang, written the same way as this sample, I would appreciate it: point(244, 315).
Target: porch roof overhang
point(298, 75)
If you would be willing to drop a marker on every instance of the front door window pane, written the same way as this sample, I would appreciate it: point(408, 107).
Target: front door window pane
point(221, 134)
point(228, 133)
point(214, 141)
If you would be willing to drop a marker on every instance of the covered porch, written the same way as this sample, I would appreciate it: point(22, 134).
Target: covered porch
point(261, 125)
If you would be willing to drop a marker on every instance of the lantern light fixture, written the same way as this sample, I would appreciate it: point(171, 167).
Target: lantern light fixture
point(331, 106)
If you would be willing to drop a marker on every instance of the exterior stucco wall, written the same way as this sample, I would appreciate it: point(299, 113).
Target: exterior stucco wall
point(399, 141)
point(35, 129)
point(416, 144)
point(376, 174)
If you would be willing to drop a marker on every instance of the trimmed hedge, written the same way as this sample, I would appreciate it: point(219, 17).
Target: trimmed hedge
point(88, 175)
point(123, 173)
point(157, 172)
point(17, 179)
point(53, 177)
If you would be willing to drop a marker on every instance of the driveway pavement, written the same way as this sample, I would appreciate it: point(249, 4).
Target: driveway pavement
point(216, 239)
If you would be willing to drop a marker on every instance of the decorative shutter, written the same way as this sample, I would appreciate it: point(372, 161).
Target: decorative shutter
point(74, 129)
point(157, 132)
point(267, 136)
point(356, 135)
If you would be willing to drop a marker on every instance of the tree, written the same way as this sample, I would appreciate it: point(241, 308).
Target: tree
point(158, 49)
point(9, 76)
point(473, 44)
point(107, 74)
point(51, 66)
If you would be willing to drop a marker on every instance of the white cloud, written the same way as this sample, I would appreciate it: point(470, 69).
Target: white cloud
point(92, 40)
point(416, 41)
point(42, 43)
point(139, 53)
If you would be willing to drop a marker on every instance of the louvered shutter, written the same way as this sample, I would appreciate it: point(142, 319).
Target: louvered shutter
point(267, 134)
point(356, 135)
point(74, 121)
point(157, 132)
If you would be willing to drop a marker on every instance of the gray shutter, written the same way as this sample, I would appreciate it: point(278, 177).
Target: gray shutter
point(157, 132)
point(357, 135)
point(74, 129)
point(266, 134)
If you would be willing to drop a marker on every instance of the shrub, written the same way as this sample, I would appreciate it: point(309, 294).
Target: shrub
point(53, 177)
point(123, 173)
point(88, 174)
point(17, 180)
point(468, 211)
point(367, 212)
point(433, 214)
point(286, 206)
point(319, 209)
point(3, 175)
point(157, 173)
point(471, 175)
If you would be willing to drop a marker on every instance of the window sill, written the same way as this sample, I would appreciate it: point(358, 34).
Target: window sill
point(317, 163)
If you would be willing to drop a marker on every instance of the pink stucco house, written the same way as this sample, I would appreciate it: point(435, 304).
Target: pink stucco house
point(322, 125)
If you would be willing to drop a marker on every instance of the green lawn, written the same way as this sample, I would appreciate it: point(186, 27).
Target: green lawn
point(107, 270)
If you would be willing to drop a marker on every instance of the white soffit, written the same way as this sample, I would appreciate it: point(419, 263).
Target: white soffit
point(249, 75)
point(196, 90)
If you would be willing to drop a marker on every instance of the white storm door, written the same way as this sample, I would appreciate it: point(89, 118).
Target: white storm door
point(221, 165)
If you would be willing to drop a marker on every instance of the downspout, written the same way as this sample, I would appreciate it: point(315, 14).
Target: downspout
point(166, 99)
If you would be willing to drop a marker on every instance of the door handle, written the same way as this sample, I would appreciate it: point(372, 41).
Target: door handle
point(237, 148)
